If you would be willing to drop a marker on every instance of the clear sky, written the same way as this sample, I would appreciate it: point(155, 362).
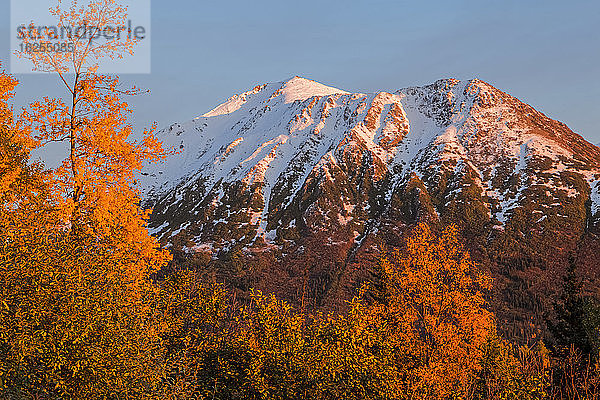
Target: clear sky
point(547, 53)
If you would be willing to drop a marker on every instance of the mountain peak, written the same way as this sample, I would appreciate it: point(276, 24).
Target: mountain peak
point(298, 88)
point(293, 89)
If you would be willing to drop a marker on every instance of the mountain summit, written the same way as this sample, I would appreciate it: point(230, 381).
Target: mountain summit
point(297, 170)
point(293, 89)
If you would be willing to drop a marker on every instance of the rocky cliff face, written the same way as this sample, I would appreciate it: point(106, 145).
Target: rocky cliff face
point(294, 187)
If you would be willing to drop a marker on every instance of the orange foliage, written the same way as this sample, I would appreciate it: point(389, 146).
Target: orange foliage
point(87, 52)
point(433, 297)
point(9, 168)
point(78, 317)
point(95, 184)
point(22, 184)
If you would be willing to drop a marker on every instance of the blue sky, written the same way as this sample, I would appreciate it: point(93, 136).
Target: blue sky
point(547, 53)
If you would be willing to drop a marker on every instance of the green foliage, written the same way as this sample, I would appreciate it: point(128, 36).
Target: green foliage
point(512, 373)
point(267, 350)
point(75, 323)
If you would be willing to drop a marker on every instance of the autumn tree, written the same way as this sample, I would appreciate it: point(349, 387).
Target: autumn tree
point(97, 178)
point(80, 316)
point(95, 184)
point(508, 371)
point(75, 322)
point(433, 297)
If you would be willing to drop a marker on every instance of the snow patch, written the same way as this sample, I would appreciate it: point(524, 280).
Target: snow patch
point(595, 196)
point(300, 89)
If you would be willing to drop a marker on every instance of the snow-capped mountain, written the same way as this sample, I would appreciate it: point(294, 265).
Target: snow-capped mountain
point(278, 137)
point(294, 164)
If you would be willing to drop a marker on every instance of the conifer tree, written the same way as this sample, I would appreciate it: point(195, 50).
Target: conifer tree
point(577, 321)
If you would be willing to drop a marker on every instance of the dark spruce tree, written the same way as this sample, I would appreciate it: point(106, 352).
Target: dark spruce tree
point(577, 318)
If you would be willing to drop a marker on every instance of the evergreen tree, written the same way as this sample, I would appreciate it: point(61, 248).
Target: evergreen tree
point(577, 317)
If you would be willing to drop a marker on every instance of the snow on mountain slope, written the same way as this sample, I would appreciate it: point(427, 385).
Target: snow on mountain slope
point(262, 160)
